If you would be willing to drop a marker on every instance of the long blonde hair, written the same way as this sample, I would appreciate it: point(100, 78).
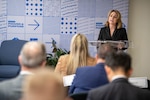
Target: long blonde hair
point(119, 21)
point(78, 53)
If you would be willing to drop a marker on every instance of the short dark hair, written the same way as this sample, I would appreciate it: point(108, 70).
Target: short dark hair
point(104, 50)
point(117, 60)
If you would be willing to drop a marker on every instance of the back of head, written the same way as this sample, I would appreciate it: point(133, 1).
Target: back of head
point(104, 50)
point(78, 52)
point(79, 45)
point(119, 60)
point(44, 85)
point(33, 54)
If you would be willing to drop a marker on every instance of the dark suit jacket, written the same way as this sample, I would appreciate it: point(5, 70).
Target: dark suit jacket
point(119, 89)
point(11, 89)
point(119, 34)
point(88, 77)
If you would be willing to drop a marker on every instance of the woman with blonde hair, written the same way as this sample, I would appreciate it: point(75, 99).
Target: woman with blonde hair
point(79, 56)
point(113, 29)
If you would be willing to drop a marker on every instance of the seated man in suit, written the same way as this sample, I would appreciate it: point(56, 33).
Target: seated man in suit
point(118, 69)
point(32, 56)
point(87, 78)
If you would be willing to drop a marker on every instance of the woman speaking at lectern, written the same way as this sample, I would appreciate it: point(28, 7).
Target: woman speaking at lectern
point(113, 30)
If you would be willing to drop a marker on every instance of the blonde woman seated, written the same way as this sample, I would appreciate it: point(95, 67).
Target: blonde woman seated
point(79, 56)
point(44, 85)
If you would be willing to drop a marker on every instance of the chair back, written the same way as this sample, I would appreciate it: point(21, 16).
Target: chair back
point(79, 96)
point(9, 51)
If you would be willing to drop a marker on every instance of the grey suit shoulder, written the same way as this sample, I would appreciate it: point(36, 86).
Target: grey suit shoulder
point(11, 89)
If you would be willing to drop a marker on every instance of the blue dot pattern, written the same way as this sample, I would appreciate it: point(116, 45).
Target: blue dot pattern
point(34, 7)
point(68, 25)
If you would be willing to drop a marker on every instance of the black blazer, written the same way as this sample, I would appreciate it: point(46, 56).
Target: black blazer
point(119, 89)
point(119, 34)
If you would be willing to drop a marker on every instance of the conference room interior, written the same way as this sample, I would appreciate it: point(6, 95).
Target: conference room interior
point(138, 29)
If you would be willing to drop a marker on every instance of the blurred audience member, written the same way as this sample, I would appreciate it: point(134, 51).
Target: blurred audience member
point(79, 56)
point(118, 69)
point(32, 56)
point(87, 78)
point(44, 85)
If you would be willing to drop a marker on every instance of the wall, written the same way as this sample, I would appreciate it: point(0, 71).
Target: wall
point(59, 20)
point(139, 34)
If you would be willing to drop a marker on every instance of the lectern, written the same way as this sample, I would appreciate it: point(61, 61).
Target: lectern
point(123, 45)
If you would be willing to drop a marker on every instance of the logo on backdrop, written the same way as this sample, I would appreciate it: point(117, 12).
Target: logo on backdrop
point(13, 23)
point(35, 25)
point(33, 39)
point(99, 25)
point(15, 38)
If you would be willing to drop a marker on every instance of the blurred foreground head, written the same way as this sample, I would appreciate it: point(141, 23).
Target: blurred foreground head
point(44, 85)
point(104, 50)
point(32, 55)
